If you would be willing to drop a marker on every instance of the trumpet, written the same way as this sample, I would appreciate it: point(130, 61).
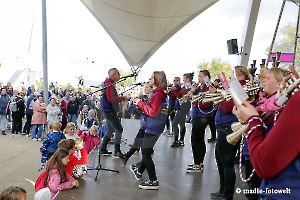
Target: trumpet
point(225, 95)
point(185, 97)
point(198, 97)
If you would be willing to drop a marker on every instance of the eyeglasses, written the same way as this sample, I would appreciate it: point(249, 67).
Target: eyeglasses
point(72, 129)
point(175, 80)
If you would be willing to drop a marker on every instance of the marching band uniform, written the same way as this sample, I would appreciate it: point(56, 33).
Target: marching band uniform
point(201, 116)
point(281, 175)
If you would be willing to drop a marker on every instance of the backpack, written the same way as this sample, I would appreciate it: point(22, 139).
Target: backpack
point(39, 183)
point(13, 105)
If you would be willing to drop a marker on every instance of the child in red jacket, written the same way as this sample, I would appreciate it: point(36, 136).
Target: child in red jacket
point(90, 138)
point(78, 160)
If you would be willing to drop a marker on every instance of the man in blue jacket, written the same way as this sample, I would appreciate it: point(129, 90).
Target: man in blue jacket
point(110, 105)
point(4, 100)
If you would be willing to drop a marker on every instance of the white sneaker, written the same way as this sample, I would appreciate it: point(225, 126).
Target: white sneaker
point(12, 135)
point(39, 139)
point(34, 139)
point(170, 134)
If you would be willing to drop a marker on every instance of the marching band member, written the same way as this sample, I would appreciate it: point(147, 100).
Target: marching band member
point(201, 115)
point(225, 152)
point(275, 157)
point(270, 83)
point(182, 110)
point(153, 121)
point(171, 106)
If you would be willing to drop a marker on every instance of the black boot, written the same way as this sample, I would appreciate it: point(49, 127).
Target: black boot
point(103, 149)
point(3, 133)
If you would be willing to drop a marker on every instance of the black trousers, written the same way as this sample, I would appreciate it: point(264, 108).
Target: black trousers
point(147, 162)
point(16, 124)
point(171, 115)
point(225, 154)
point(138, 142)
point(113, 125)
point(197, 138)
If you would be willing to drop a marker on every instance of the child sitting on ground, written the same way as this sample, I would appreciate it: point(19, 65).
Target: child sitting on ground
point(90, 138)
point(68, 144)
point(77, 165)
point(55, 176)
point(50, 144)
point(70, 131)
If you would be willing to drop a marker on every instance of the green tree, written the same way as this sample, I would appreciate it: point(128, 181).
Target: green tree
point(128, 81)
point(216, 66)
point(286, 44)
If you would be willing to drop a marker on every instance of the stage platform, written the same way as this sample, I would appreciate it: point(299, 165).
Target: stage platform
point(171, 164)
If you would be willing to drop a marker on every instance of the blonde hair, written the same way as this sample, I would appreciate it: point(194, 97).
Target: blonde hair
point(241, 70)
point(279, 73)
point(94, 127)
point(160, 79)
point(55, 126)
point(78, 141)
point(69, 125)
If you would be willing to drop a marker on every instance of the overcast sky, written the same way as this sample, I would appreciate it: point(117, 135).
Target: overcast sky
point(74, 35)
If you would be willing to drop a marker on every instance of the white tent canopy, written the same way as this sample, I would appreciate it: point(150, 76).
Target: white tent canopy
point(140, 27)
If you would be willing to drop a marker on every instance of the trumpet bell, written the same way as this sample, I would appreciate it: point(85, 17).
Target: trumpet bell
point(235, 126)
point(235, 137)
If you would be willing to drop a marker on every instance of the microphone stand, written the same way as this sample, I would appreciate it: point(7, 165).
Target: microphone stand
point(99, 167)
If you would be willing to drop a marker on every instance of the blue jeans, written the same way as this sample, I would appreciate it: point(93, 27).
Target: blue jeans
point(40, 130)
point(3, 122)
point(72, 118)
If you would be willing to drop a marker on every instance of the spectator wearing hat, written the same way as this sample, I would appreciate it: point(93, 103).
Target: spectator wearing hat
point(90, 120)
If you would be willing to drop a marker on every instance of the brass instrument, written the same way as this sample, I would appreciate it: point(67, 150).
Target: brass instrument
point(238, 129)
point(185, 97)
point(225, 95)
point(169, 89)
point(292, 83)
point(198, 97)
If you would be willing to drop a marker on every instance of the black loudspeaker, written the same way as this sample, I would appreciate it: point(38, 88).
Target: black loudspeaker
point(232, 46)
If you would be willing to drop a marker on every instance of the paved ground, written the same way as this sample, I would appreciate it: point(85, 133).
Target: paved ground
point(19, 162)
